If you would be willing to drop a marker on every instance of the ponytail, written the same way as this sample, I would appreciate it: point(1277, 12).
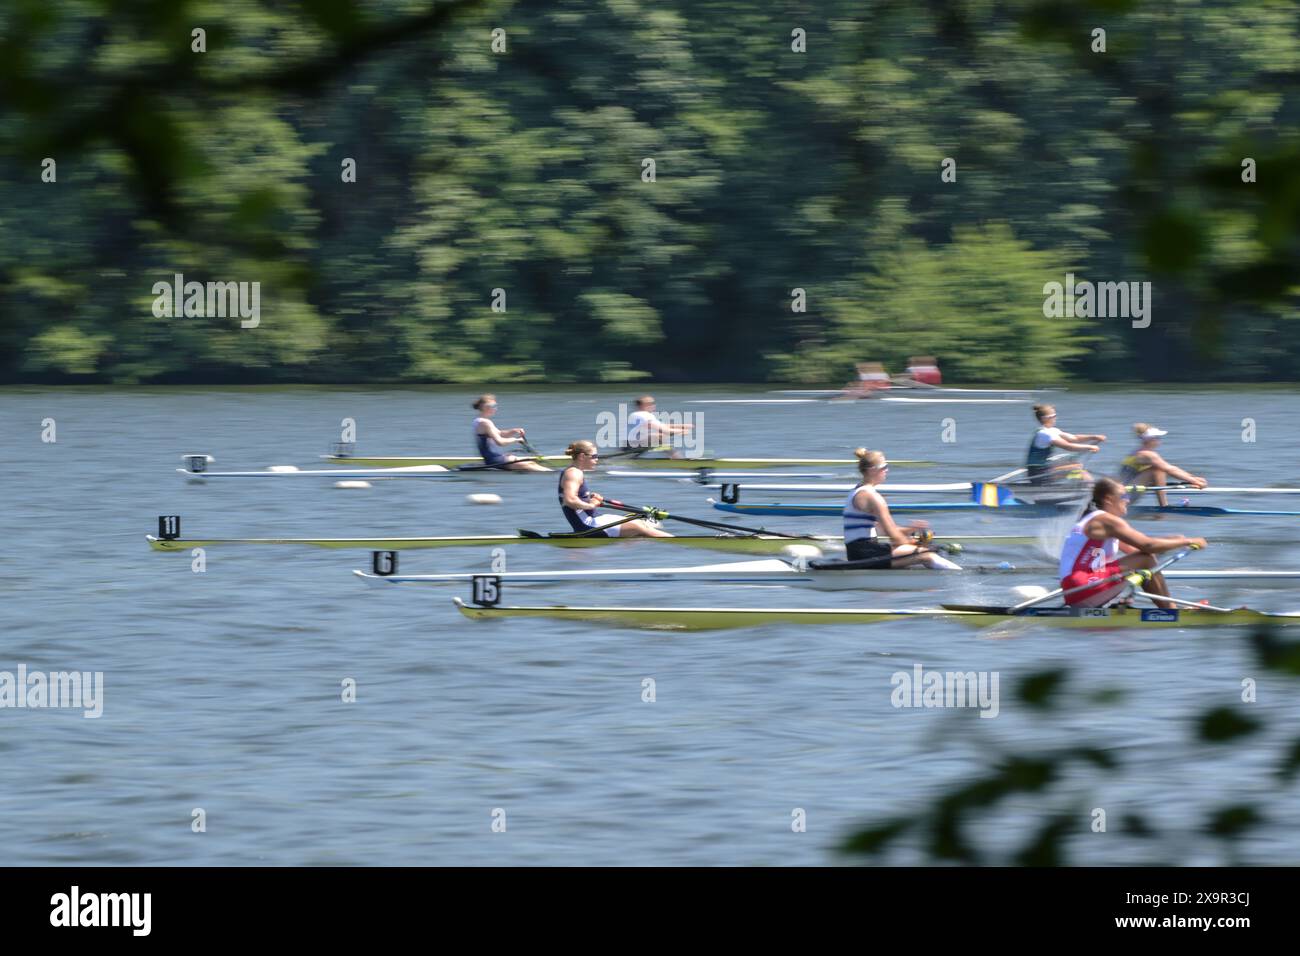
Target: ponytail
point(1102, 488)
point(868, 460)
point(580, 447)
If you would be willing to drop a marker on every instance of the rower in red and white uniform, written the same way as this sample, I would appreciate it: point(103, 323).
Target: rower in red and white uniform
point(924, 370)
point(872, 378)
point(1146, 467)
point(870, 533)
point(1102, 544)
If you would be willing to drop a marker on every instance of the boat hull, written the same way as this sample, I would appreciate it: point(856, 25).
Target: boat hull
point(771, 572)
point(1013, 509)
point(774, 572)
point(735, 544)
point(705, 619)
point(621, 461)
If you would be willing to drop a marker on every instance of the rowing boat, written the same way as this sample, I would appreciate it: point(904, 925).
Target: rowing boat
point(337, 474)
point(1008, 491)
point(817, 575)
point(1172, 612)
point(714, 618)
point(440, 472)
point(769, 571)
point(739, 543)
point(169, 539)
point(902, 387)
point(847, 399)
point(645, 461)
point(1014, 508)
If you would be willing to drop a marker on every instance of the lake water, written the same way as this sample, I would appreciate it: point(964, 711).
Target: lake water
point(222, 689)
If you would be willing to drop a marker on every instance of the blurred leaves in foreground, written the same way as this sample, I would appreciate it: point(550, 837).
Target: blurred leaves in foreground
point(1049, 793)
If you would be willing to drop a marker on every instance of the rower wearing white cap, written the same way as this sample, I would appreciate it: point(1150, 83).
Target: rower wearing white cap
point(1146, 467)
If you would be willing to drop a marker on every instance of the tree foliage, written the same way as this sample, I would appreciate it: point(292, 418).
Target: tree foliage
point(522, 169)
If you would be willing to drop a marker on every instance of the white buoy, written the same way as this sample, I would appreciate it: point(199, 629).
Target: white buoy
point(484, 499)
point(283, 468)
point(801, 551)
point(351, 484)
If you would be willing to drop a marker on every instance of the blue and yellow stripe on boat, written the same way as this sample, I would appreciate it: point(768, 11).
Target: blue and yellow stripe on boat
point(990, 495)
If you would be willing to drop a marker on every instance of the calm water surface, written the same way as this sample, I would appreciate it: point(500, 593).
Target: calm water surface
point(222, 688)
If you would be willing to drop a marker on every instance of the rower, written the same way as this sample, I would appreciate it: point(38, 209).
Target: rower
point(870, 532)
point(645, 430)
point(872, 378)
point(578, 502)
point(1093, 547)
point(1038, 467)
point(490, 439)
point(1146, 467)
point(924, 370)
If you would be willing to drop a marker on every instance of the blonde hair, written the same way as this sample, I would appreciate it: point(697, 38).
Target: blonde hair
point(481, 401)
point(580, 447)
point(1041, 411)
point(1140, 429)
point(868, 460)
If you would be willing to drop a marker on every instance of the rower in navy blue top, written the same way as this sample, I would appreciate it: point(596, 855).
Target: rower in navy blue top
point(579, 503)
point(490, 439)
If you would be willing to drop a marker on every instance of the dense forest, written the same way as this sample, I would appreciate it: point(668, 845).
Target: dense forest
point(609, 190)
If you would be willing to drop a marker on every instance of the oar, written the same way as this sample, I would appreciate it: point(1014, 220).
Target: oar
point(1212, 489)
point(1184, 603)
point(660, 515)
point(634, 452)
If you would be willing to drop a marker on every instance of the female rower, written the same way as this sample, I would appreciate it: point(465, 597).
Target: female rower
point(1146, 467)
point(1038, 468)
point(578, 502)
point(644, 428)
point(872, 378)
point(1092, 550)
point(869, 529)
point(490, 439)
point(924, 370)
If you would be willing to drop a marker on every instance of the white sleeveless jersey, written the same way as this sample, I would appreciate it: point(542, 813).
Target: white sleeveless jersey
point(1081, 553)
point(639, 425)
point(858, 525)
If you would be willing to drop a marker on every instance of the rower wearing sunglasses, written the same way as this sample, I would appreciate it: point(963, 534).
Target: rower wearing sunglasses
point(1102, 546)
point(870, 533)
point(491, 440)
point(579, 503)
